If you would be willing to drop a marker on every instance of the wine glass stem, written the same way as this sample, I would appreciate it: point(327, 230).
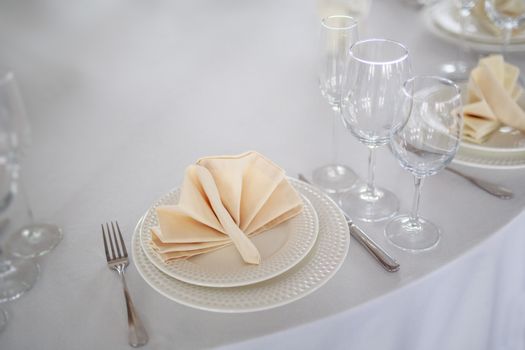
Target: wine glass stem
point(334, 138)
point(370, 187)
point(414, 216)
point(507, 33)
point(464, 14)
point(20, 188)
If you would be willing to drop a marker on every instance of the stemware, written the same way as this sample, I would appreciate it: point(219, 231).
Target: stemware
point(16, 275)
point(35, 239)
point(337, 35)
point(459, 69)
point(507, 16)
point(424, 142)
point(376, 71)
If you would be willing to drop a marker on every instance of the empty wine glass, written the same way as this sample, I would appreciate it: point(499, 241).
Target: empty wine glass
point(376, 71)
point(507, 16)
point(459, 69)
point(424, 142)
point(35, 239)
point(16, 275)
point(338, 33)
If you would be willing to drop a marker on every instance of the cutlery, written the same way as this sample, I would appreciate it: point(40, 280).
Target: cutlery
point(388, 262)
point(492, 188)
point(117, 257)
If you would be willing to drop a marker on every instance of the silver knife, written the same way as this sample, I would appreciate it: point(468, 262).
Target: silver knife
point(389, 263)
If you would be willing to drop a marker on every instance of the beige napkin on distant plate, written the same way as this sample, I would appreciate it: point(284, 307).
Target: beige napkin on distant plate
point(493, 91)
point(510, 7)
point(224, 200)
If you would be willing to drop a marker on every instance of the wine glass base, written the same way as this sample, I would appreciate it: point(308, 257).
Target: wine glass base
point(334, 178)
point(457, 71)
point(359, 204)
point(33, 240)
point(16, 277)
point(404, 234)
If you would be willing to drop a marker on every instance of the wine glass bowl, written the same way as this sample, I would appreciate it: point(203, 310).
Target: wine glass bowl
point(376, 71)
point(424, 139)
point(338, 33)
point(35, 239)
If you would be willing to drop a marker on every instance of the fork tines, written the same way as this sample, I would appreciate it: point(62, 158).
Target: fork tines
point(118, 251)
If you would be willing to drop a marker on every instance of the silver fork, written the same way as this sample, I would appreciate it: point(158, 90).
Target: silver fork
point(117, 257)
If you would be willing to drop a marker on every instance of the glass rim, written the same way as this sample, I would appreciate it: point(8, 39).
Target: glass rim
point(353, 22)
point(362, 60)
point(445, 81)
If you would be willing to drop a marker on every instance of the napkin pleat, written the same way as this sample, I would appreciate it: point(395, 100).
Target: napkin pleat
point(225, 200)
point(492, 96)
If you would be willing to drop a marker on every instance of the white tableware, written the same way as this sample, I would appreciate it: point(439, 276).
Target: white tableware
point(321, 264)
point(281, 248)
point(442, 21)
point(489, 160)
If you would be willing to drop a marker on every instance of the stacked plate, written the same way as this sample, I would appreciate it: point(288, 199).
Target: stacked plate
point(504, 149)
point(298, 257)
point(442, 20)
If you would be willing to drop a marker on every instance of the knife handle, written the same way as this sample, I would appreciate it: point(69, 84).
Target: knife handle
point(389, 263)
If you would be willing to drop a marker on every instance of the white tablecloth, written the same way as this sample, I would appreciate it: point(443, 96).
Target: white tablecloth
point(122, 95)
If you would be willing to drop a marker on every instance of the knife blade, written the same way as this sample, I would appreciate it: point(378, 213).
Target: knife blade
point(385, 259)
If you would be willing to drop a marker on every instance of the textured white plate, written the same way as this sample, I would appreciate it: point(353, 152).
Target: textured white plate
point(487, 160)
point(323, 261)
point(281, 248)
point(439, 21)
point(446, 16)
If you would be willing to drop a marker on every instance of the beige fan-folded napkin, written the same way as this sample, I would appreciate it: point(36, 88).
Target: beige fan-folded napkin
point(493, 91)
point(509, 7)
point(225, 200)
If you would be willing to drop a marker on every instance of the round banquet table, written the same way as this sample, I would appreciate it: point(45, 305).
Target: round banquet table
point(123, 95)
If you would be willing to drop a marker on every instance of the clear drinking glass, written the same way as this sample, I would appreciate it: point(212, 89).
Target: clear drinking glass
point(424, 142)
point(376, 71)
point(35, 239)
point(16, 275)
point(459, 69)
point(338, 33)
point(507, 16)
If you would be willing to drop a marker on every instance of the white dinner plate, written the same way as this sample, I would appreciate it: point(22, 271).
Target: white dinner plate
point(487, 160)
point(321, 264)
point(441, 20)
point(281, 248)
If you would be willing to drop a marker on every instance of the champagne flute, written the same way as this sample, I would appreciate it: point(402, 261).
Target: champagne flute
point(376, 71)
point(337, 35)
point(424, 142)
point(459, 69)
point(507, 16)
point(34, 239)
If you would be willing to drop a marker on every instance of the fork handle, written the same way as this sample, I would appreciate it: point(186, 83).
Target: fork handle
point(137, 333)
